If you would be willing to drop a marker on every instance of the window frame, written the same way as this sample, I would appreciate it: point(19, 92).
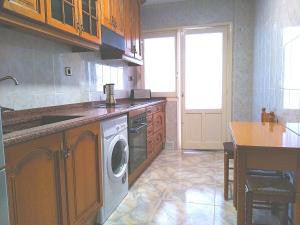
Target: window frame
point(159, 34)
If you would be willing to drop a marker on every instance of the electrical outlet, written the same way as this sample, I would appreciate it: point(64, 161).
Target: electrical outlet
point(68, 71)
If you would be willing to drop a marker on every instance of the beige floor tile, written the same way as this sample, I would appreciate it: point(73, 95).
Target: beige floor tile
point(180, 213)
point(225, 215)
point(191, 193)
point(181, 188)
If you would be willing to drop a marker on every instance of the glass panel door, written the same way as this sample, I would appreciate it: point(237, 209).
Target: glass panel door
point(90, 26)
point(203, 70)
point(204, 104)
point(63, 10)
point(89, 16)
point(62, 14)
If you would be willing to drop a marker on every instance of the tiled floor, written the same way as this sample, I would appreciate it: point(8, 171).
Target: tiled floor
point(178, 188)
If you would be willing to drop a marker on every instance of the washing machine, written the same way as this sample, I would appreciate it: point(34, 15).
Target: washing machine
point(115, 165)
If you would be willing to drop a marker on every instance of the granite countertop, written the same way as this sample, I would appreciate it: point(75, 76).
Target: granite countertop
point(86, 112)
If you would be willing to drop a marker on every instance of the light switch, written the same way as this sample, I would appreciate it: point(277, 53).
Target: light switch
point(68, 71)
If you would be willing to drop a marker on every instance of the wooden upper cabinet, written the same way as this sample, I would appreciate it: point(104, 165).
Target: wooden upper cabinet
point(90, 20)
point(83, 172)
point(33, 9)
point(79, 17)
point(132, 28)
point(118, 16)
point(33, 182)
point(136, 8)
point(63, 14)
point(106, 10)
point(128, 34)
point(113, 15)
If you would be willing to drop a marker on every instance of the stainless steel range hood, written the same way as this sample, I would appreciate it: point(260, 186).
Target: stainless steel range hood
point(113, 49)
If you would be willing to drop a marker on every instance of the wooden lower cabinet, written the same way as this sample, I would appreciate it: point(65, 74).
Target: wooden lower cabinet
point(156, 130)
point(56, 180)
point(83, 173)
point(34, 188)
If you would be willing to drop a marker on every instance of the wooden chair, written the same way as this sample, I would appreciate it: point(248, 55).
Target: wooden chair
point(228, 155)
point(271, 190)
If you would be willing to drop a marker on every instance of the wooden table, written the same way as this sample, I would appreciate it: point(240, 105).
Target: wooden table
point(268, 146)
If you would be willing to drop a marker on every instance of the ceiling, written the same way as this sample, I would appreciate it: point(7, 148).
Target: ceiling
point(151, 2)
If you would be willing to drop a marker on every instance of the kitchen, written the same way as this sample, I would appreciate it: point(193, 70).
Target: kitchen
point(106, 117)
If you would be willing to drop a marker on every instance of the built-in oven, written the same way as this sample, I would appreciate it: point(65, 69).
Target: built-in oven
point(137, 131)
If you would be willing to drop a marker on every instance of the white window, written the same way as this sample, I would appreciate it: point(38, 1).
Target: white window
point(291, 80)
point(160, 63)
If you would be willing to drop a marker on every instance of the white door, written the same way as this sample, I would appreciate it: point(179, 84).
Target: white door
point(204, 80)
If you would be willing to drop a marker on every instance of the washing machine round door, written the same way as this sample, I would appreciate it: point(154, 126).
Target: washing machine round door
point(118, 158)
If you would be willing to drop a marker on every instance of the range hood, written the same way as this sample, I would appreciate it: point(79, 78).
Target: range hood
point(113, 48)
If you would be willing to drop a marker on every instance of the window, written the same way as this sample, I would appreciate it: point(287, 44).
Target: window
point(291, 80)
point(160, 63)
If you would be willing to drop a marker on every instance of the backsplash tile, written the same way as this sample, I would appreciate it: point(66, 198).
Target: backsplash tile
point(39, 65)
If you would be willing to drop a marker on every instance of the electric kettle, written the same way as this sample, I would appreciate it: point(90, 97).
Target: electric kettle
point(109, 90)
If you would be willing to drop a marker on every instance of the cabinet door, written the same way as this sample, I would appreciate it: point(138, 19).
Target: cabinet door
point(83, 173)
point(33, 9)
point(136, 29)
point(158, 142)
point(158, 121)
point(34, 182)
point(128, 27)
point(90, 20)
point(106, 15)
point(118, 16)
point(63, 14)
point(150, 147)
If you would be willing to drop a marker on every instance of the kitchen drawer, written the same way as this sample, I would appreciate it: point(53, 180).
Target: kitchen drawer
point(150, 130)
point(155, 108)
point(158, 121)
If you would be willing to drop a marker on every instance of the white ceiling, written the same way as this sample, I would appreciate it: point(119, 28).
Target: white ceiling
point(151, 2)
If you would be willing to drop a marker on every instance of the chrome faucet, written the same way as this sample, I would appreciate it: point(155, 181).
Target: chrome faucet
point(3, 109)
point(10, 78)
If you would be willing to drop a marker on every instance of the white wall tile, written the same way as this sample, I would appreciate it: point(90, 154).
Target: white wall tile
point(39, 65)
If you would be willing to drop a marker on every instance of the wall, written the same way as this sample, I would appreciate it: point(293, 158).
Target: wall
point(201, 13)
point(39, 65)
point(275, 19)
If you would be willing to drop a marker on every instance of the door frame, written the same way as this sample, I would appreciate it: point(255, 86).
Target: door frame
point(227, 27)
point(178, 98)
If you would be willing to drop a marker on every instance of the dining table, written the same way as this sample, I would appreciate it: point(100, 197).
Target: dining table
point(264, 146)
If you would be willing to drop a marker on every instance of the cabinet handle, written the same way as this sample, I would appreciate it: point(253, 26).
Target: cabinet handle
point(113, 22)
point(134, 49)
point(78, 27)
point(66, 154)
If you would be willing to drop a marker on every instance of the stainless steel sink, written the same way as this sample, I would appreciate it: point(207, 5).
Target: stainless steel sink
point(43, 120)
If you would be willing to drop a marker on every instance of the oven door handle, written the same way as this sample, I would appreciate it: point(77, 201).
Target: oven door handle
point(137, 129)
